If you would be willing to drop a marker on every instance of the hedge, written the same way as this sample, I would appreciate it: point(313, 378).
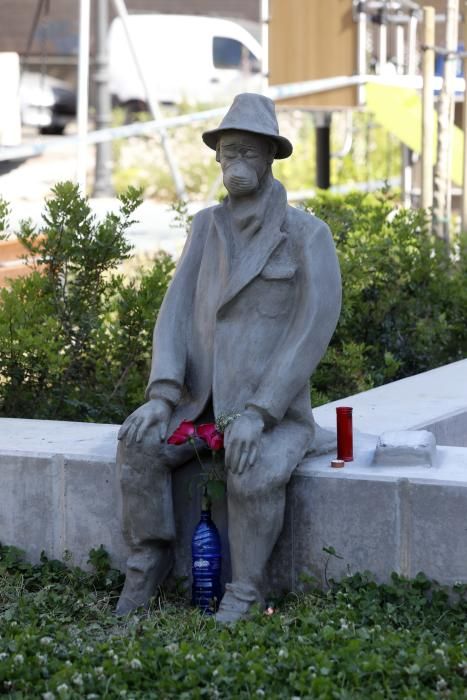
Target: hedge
point(76, 334)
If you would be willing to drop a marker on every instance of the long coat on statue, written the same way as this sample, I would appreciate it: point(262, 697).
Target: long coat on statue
point(248, 315)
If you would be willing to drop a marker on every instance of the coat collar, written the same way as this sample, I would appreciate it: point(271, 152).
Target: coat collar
point(259, 247)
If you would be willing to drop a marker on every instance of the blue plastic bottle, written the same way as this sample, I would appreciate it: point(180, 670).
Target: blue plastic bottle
point(206, 562)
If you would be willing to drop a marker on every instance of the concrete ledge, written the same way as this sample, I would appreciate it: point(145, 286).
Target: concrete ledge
point(59, 491)
point(434, 400)
point(380, 519)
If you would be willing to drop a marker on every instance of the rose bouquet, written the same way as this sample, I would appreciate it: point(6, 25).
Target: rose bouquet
point(212, 435)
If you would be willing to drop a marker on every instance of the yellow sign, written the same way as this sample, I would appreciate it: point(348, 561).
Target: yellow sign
point(399, 110)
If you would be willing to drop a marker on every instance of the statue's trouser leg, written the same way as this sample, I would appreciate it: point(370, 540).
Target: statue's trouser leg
point(147, 516)
point(255, 523)
point(256, 504)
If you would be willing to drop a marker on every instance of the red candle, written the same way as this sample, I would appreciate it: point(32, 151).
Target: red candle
point(344, 433)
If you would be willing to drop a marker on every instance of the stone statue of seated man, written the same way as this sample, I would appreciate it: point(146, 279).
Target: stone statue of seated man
point(247, 317)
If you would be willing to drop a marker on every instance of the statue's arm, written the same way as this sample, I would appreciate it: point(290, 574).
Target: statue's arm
point(169, 349)
point(317, 309)
point(170, 337)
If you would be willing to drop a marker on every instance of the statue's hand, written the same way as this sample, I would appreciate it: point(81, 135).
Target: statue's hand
point(154, 414)
point(242, 440)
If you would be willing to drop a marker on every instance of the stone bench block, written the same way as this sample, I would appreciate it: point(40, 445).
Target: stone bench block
point(406, 448)
point(59, 491)
point(380, 519)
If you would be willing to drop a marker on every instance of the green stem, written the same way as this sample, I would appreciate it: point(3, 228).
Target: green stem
point(192, 440)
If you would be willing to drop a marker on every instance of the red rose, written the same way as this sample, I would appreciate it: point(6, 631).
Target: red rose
point(183, 433)
point(211, 436)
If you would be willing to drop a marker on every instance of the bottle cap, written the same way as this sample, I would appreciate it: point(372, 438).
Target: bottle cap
point(344, 409)
point(337, 463)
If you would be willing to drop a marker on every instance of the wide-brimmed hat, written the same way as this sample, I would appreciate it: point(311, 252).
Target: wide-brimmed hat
point(254, 113)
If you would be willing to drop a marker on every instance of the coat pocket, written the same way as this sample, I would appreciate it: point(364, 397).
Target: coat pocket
point(276, 289)
point(276, 271)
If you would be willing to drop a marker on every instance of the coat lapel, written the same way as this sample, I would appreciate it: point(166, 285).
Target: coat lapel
point(261, 246)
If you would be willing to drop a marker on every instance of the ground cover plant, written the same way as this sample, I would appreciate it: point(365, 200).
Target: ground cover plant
point(58, 639)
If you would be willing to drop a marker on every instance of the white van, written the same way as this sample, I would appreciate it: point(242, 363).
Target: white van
point(185, 58)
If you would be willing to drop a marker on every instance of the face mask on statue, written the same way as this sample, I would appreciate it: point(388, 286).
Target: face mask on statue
point(244, 158)
point(240, 179)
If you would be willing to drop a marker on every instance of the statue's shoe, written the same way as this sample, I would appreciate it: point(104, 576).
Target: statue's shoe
point(237, 602)
point(146, 569)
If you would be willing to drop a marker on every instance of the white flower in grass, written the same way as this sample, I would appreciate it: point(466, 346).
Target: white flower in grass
point(463, 668)
point(136, 664)
point(3, 656)
point(441, 684)
point(78, 679)
point(48, 696)
point(62, 690)
point(18, 659)
point(42, 658)
point(283, 653)
point(45, 641)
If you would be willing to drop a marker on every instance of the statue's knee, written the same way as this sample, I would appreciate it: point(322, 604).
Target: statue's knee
point(144, 451)
point(245, 486)
point(137, 466)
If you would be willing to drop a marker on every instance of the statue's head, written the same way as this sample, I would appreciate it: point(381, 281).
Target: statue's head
point(245, 158)
point(246, 143)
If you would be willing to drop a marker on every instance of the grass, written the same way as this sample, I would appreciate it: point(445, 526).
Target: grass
point(58, 639)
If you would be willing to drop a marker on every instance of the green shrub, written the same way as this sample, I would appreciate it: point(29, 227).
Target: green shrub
point(404, 295)
point(75, 336)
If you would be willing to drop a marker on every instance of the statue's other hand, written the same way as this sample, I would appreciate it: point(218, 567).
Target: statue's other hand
point(154, 414)
point(242, 440)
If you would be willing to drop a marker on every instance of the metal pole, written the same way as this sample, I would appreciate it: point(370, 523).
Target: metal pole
point(407, 155)
point(361, 51)
point(264, 14)
point(428, 121)
point(400, 49)
point(153, 104)
point(442, 174)
point(323, 150)
point(103, 170)
point(412, 49)
point(383, 42)
point(83, 93)
point(464, 124)
point(407, 176)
